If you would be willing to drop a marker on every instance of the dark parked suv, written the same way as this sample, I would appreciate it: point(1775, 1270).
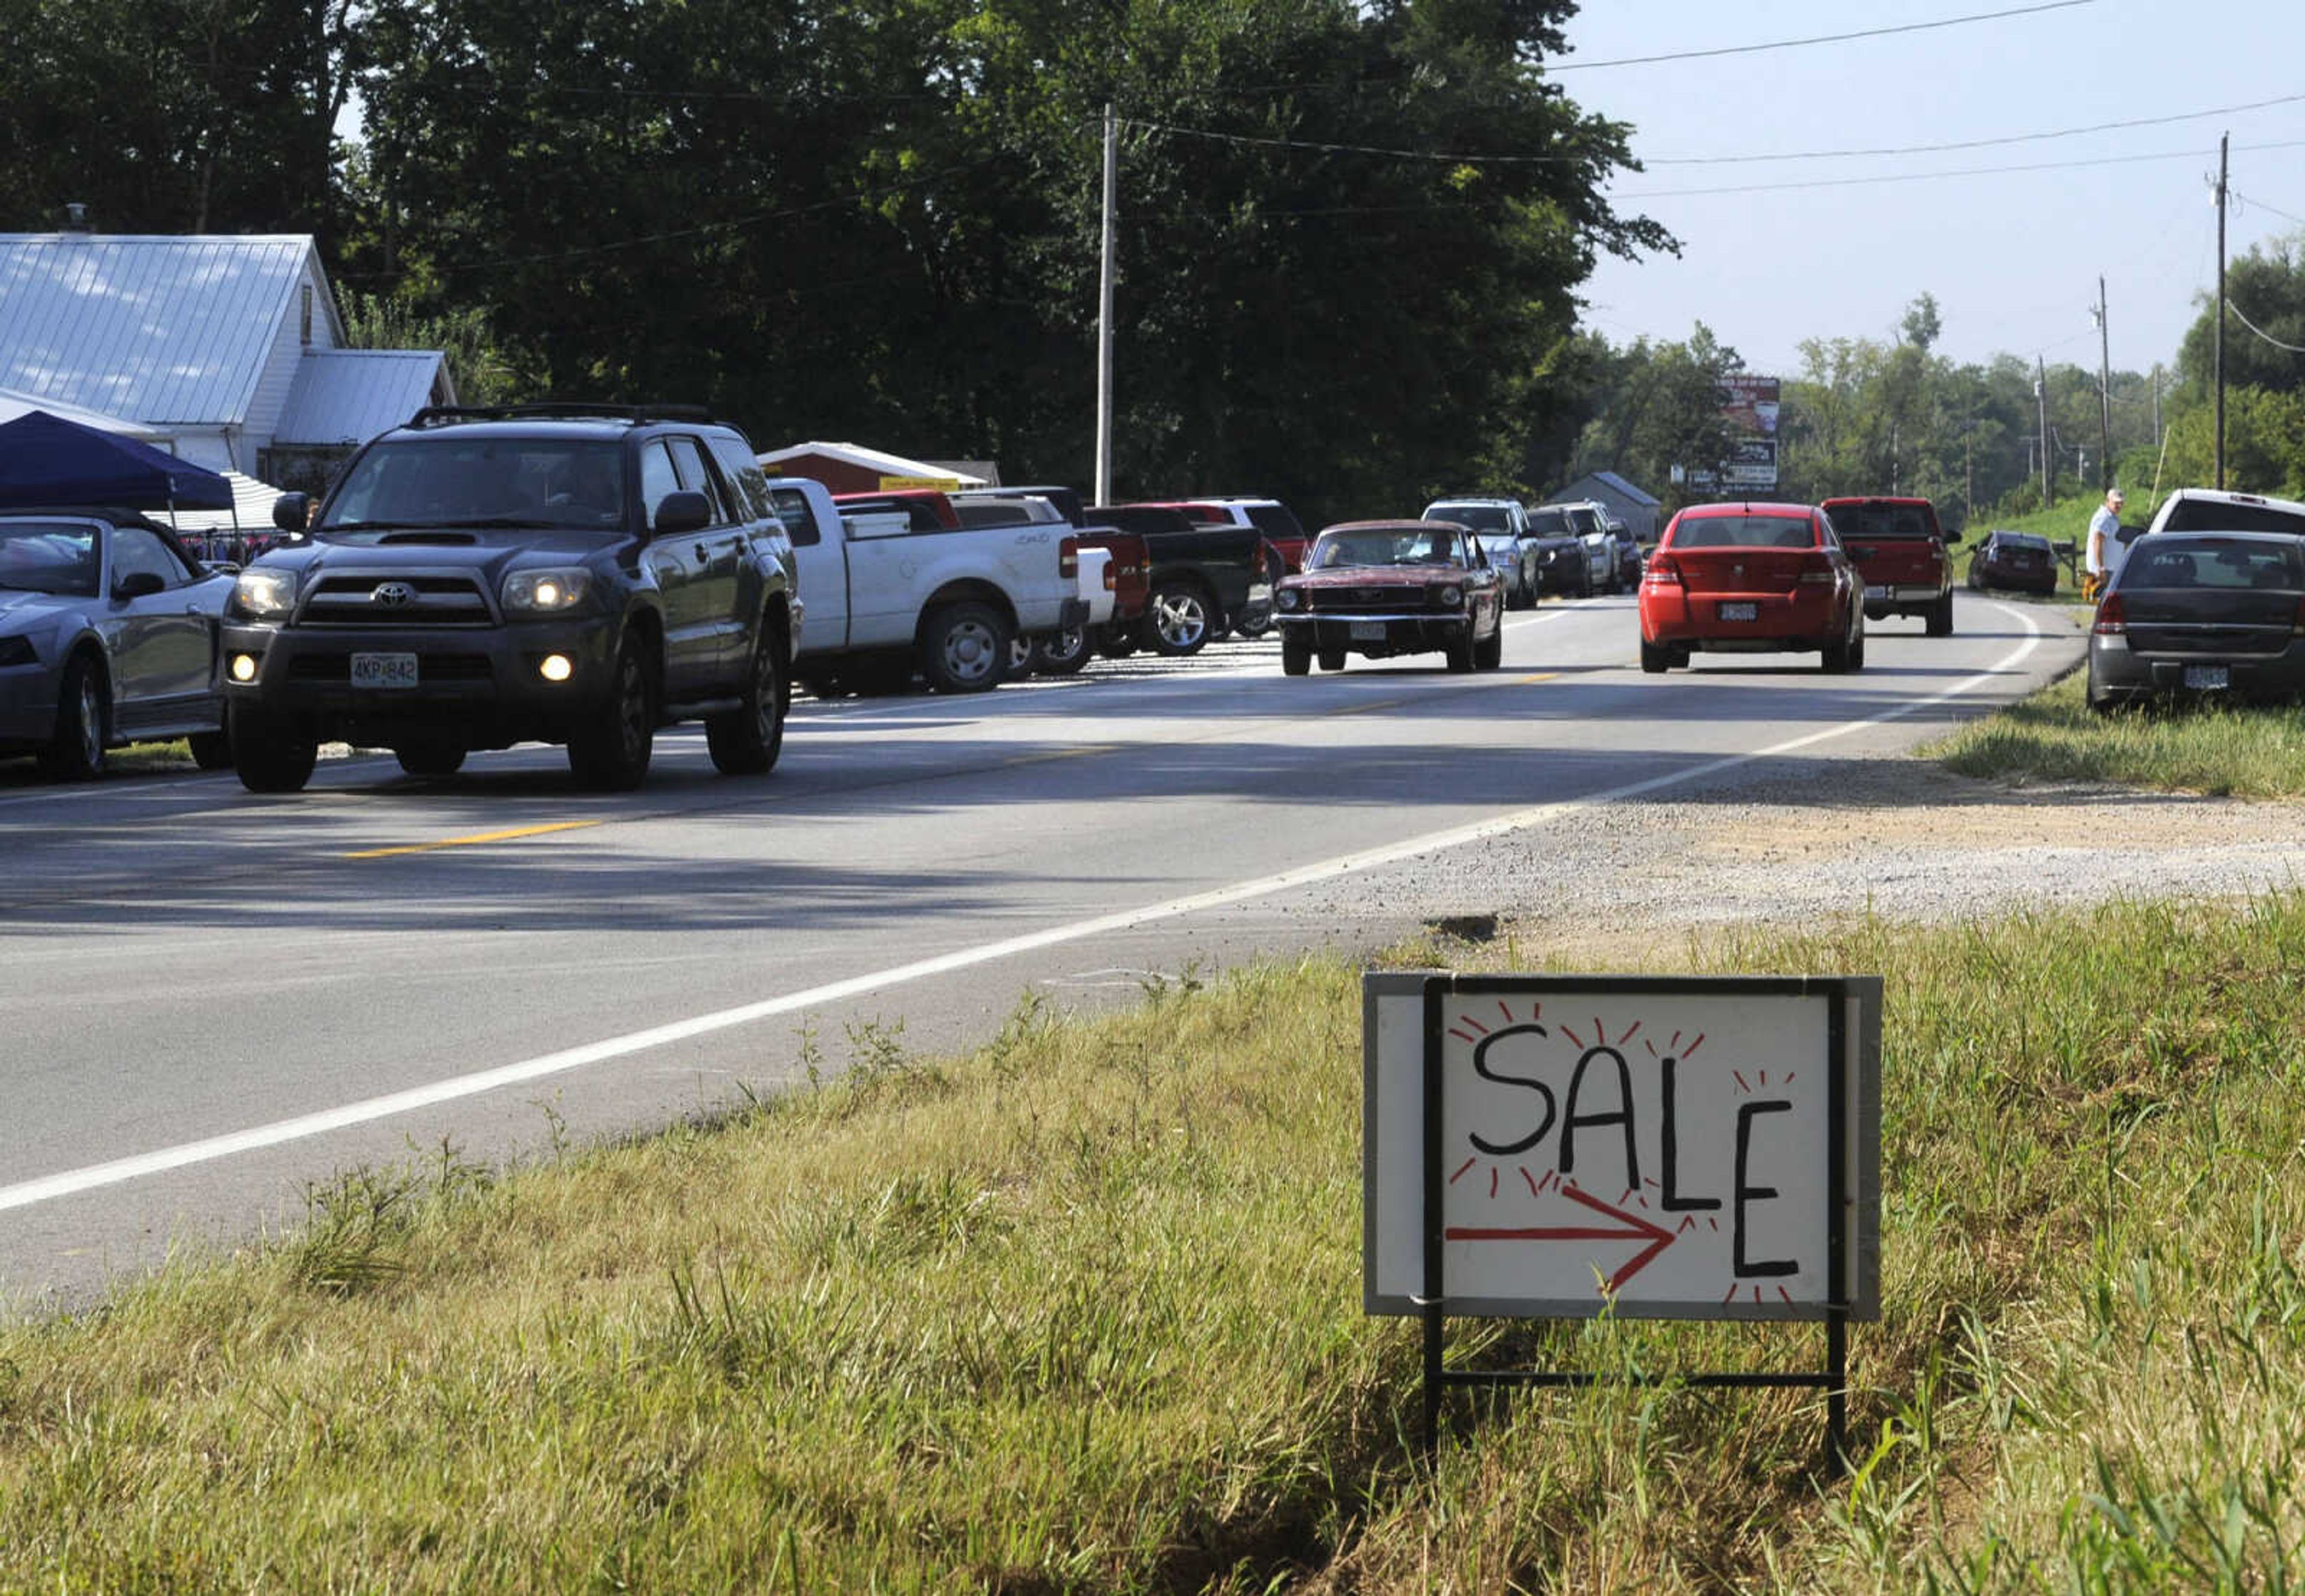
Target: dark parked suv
point(574, 574)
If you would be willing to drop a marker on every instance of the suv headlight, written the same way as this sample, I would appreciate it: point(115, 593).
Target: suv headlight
point(547, 592)
point(263, 595)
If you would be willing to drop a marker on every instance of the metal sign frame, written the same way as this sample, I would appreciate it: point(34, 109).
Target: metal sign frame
point(1852, 1181)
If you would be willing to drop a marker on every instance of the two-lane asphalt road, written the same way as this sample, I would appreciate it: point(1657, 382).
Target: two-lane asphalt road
point(212, 998)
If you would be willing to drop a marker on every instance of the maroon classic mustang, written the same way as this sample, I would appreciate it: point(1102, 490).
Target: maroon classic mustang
point(1381, 587)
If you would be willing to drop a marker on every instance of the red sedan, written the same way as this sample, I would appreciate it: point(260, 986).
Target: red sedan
point(1751, 579)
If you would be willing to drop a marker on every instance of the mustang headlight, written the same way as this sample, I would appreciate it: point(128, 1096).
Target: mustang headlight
point(1449, 598)
point(547, 592)
point(262, 594)
point(1288, 598)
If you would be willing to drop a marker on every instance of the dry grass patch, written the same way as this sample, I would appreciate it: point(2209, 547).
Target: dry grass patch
point(1081, 1312)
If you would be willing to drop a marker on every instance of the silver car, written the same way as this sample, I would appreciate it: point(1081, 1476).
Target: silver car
point(108, 635)
point(2208, 614)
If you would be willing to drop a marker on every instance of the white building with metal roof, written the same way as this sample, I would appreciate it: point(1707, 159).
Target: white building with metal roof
point(231, 346)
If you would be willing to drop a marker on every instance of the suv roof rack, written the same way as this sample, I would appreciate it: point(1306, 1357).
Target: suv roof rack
point(449, 415)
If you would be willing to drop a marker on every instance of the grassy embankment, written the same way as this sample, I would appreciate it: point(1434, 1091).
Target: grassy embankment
point(1081, 1312)
point(2242, 752)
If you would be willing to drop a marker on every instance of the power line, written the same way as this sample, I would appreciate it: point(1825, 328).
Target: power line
point(1888, 177)
point(2261, 204)
point(2066, 133)
point(1822, 39)
point(2260, 331)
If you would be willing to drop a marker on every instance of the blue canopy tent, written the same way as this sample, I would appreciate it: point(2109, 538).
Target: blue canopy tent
point(46, 460)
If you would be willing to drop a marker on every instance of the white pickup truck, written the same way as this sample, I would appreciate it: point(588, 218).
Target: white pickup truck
point(882, 596)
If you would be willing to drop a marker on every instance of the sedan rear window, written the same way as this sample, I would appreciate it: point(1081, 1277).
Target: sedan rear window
point(1745, 532)
point(2206, 564)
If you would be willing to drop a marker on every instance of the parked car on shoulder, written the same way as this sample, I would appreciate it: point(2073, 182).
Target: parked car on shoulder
point(2210, 615)
point(579, 575)
point(1589, 520)
point(2024, 562)
point(1630, 559)
point(1901, 550)
point(108, 633)
point(1502, 526)
point(1206, 569)
point(1751, 579)
point(2221, 510)
point(1385, 588)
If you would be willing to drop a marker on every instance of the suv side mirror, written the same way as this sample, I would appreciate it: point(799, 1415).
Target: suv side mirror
point(683, 510)
point(290, 512)
point(139, 584)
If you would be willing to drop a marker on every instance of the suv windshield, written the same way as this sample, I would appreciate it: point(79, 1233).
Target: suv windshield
point(1481, 518)
point(578, 483)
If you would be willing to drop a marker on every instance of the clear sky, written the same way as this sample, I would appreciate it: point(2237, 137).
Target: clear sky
point(2012, 257)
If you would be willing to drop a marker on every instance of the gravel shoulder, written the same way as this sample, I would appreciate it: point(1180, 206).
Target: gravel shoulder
point(1899, 838)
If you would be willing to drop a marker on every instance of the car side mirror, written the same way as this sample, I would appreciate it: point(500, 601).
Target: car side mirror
point(139, 584)
point(292, 512)
point(683, 510)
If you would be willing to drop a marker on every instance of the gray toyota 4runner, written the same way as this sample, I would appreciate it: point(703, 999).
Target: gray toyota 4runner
point(571, 574)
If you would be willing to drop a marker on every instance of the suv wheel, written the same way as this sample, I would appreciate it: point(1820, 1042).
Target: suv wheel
point(76, 750)
point(1178, 620)
point(211, 750)
point(965, 649)
point(266, 753)
point(746, 741)
point(609, 752)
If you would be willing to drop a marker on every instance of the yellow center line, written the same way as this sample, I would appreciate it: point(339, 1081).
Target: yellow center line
point(472, 842)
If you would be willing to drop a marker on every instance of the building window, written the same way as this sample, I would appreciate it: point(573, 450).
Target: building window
point(304, 325)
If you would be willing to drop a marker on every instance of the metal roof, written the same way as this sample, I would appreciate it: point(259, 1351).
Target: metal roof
point(1617, 482)
point(349, 395)
point(870, 460)
point(13, 404)
point(163, 329)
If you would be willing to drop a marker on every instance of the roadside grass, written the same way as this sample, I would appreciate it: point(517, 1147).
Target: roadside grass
point(2239, 752)
point(1081, 1312)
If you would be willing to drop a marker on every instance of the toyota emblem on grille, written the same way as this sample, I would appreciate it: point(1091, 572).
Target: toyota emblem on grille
point(392, 595)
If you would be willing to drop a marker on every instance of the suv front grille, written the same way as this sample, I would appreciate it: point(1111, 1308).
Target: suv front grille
point(391, 600)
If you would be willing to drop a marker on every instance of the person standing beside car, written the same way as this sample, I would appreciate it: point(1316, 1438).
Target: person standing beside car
point(2104, 554)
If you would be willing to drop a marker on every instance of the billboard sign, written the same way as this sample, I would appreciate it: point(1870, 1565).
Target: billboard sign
point(1749, 405)
point(1655, 1146)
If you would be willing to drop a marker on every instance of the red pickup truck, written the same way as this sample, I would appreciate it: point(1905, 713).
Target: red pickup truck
point(1900, 550)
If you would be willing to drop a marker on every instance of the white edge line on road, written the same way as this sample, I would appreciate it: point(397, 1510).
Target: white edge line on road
point(72, 1181)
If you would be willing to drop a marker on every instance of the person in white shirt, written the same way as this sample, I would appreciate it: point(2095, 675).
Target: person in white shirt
point(2104, 550)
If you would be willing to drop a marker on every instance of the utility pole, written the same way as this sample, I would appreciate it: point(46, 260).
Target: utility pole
point(2223, 142)
point(2156, 404)
point(2041, 403)
point(1104, 319)
point(2104, 390)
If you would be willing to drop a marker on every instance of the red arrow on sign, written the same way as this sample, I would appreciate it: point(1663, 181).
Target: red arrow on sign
point(1635, 1229)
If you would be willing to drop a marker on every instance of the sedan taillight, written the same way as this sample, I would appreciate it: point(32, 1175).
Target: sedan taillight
point(2112, 617)
point(1818, 569)
point(1661, 572)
